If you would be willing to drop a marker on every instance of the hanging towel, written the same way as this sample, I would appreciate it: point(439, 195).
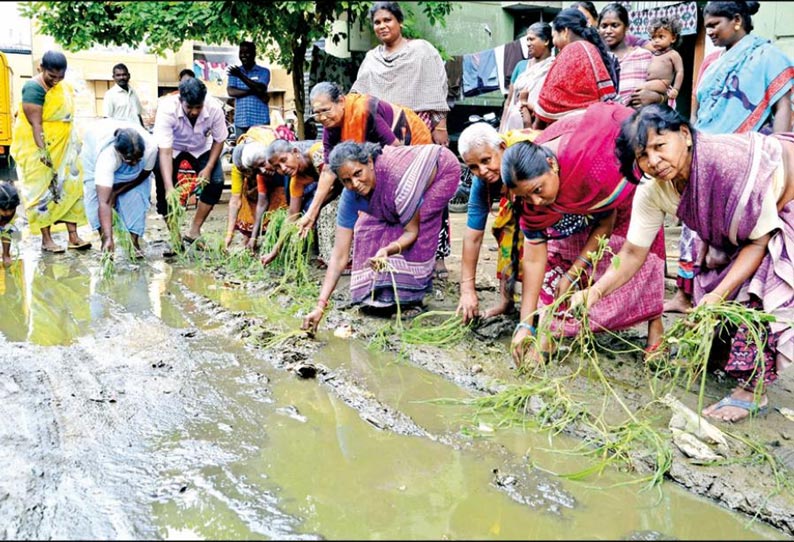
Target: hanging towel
point(513, 55)
point(480, 74)
point(470, 67)
point(454, 69)
point(499, 54)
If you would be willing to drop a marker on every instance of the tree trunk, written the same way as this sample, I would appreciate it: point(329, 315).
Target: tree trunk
point(298, 62)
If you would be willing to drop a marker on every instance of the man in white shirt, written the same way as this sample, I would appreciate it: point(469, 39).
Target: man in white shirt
point(121, 102)
point(118, 158)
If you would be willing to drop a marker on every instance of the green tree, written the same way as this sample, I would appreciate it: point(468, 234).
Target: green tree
point(283, 30)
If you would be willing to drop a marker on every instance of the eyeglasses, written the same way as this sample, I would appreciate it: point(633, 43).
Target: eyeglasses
point(323, 113)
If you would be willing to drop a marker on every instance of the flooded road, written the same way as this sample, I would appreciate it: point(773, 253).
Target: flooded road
point(131, 408)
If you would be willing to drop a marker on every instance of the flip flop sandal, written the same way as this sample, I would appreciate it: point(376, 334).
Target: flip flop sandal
point(409, 313)
point(85, 245)
point(751, 408)
point(441, 274)
point(197, 243)
point(56, 250)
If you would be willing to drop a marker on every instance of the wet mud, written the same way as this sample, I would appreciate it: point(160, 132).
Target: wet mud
point(157, 406)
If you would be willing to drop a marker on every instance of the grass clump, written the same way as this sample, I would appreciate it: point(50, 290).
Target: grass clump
point(123, 237)
point(177, 212)
point(421, 330)
point(685, 350)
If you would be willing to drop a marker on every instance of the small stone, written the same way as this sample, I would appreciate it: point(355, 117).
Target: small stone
point(476, 369)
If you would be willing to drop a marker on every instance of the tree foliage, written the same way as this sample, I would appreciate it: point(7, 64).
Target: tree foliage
point(282, 30)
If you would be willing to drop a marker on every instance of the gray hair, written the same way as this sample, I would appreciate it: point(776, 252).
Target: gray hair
point(252, 153)
point(350, 151)
point(326, 88)
point(477, 135)
point(279, 146)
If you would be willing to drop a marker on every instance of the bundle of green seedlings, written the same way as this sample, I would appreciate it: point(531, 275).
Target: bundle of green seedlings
point(548, 400)
point(683, 355)
point(636, 436)
point(175, 219)
point(293, 262)
point(424, 329)
point(238, 263)
point(123, 238)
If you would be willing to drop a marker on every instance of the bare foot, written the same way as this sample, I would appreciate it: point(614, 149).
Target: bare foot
point(680, 302)
point(736, 406)
point(655, 331)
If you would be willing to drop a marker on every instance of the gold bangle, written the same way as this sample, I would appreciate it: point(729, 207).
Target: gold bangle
point(439, 129)
point(466, 280)
point(663, 99)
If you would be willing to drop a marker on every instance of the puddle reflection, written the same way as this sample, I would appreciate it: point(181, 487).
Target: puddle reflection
point(52, 301)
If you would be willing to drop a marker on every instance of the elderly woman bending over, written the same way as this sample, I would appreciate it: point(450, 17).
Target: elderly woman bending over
point(256, 187)
point(735, 191)
point(481, 148)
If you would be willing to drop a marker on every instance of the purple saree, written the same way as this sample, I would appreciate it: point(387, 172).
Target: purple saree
point(409, 180)
point(741, 182)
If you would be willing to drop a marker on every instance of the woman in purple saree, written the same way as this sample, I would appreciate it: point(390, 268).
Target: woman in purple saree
point(391, 209)
point(736, 191)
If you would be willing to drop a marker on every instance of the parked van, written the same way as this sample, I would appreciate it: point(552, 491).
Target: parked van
point(6, 115)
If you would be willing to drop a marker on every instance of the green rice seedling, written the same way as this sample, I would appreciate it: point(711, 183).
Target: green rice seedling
point(280, 338)
point(176, 216)
point(544, 403)
point(759, 455)
point(449, 332)
point(275, 219)
point(623, 445)
point(107, 267)
point(382, 265)
point(293, 261)
point(123, 237)
point(693, 336)
point(384, 338)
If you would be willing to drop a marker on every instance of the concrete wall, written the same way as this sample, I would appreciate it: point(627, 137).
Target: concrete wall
point(91, 73)
point(470, 27)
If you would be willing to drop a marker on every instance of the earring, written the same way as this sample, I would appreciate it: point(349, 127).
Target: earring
point(737, 26)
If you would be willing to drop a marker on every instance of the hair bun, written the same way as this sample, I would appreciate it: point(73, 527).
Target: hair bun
point(752, 7)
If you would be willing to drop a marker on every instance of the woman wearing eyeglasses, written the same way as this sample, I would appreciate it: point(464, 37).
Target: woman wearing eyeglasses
point(361, 118)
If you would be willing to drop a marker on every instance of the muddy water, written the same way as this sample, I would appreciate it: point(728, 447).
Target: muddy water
point(131, 410)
